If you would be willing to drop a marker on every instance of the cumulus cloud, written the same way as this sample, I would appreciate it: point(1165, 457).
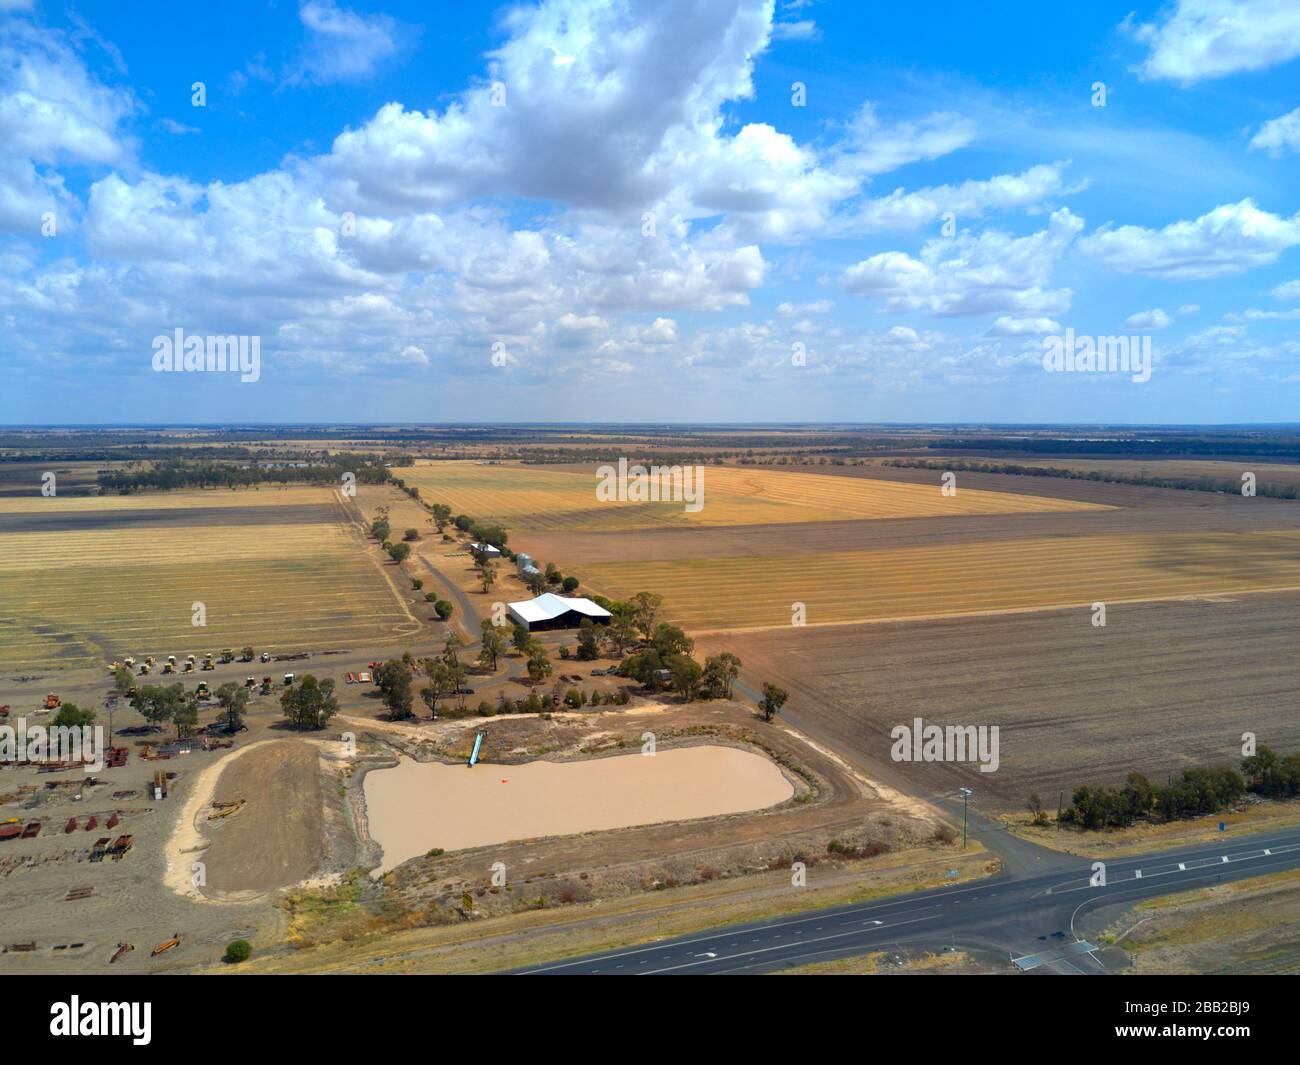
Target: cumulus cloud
point(53, 113)
point(970, 200)
point(341, 46)
point(1288, 290)
point(1230, 239)
point(1007, 326)
point(1152, 319)
point(993, 272)
point(1279, 135)
point(793, 310)
point(1199, 39)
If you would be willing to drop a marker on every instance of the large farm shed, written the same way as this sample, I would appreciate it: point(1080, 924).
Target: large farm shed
point(551, 611)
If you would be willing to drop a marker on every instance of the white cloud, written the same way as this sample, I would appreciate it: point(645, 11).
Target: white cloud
point(53, 112)
point(800, 30)
point(1200, 39)
point(1006, 326)
point(1227, 240)
point(792, 310)
point(970, 200)
point(994, 272)
point(1152, 319)
point(1279, 135)
point(1288, 290)
point(342, 46)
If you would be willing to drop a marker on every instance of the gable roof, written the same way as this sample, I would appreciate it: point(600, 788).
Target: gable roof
point(548, 606)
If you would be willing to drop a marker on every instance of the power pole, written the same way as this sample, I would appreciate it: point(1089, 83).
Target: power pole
point(965, 799)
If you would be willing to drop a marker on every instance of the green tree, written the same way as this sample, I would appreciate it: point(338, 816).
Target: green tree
point(233, 700)
point(521, 638)
point(487, 574)
point(123, 682)
point(380, 529)
point(669, 640)
point(588, 640)
point(773, 699)
point(311, 703)
point(394, 678)
point(492, 644)
point(441, 683)
point(539, 663)
point(645, 609)
point(687, 675)
point(399, 552)
point(441, 515)
point(70, 715)
point(443, 609)
point(720, 673)
point(185, 713)
point(570, 585)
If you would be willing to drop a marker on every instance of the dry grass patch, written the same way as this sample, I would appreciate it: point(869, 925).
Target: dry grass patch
point(93, 594)
point(535, 498)
point(750, 592)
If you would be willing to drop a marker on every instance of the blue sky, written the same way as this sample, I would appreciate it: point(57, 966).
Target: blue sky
point(621, 212)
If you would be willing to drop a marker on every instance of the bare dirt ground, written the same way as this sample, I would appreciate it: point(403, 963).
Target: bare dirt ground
point(1161, 688)
point(277, 837)
point(1251, 927)
point(1186, 512)
point(832, 803)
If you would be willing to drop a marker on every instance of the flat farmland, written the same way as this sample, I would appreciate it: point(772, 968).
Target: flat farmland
point(1163, 687)
point(541, 499)
point(953, 578)
point(88, 580)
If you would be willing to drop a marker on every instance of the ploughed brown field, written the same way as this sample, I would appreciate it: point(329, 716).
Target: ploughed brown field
point(1162, 687)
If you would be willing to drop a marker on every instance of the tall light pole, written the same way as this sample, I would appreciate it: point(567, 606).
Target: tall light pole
point(965, 799)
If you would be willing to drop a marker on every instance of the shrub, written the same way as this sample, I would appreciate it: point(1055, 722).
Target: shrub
point(237, 950)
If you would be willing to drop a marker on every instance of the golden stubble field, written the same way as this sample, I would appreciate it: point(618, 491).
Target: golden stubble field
point(543, 498)
point(757, 592)
point(97, 588)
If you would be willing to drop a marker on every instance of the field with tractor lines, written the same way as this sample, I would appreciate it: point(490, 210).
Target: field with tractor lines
point(540, 499)
point(95, 591)
point(755, 592)
point(1162, 687)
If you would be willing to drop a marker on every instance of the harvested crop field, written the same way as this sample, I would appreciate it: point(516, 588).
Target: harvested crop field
point(1163, 687)
point(102, 588)
point(754, 592)
point(541, 498)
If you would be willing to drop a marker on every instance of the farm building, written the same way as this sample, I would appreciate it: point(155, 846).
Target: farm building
point(551, 611)
point(526, 564)
point(486, 550)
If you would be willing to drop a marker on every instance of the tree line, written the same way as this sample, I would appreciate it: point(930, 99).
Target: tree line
point(1222, 485)
point(1194, 792)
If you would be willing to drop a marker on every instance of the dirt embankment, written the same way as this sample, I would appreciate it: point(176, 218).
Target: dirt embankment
point(276, 835)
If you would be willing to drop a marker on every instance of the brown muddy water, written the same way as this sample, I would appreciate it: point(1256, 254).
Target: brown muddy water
point(417, 806)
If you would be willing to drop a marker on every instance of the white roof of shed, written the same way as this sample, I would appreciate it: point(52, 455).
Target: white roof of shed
point(548, 606)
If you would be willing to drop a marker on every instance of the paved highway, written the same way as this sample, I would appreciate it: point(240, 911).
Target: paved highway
point(1033, 917)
